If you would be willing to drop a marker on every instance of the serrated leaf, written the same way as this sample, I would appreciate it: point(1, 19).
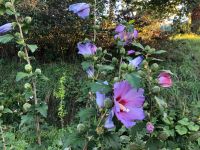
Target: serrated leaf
point(26, 119)
point(181, 129)
point(193, 127)
point(112, 141)
point(21, 75)
point(184, 121)
point(133, 79)
point(32, 47)
point(85, 114)
point(6, 38)
point(42, 109)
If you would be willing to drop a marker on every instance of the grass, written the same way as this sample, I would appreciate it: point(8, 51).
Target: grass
point(183, 60)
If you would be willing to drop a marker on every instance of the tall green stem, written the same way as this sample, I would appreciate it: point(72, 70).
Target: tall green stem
point(34, 90)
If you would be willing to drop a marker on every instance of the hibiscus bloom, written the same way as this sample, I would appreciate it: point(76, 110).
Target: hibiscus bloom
point(149, 127)
point(128, 103)
point(81, 9)
point(100, 97)
point(164, 79)
point(5, 28)
point(131, 52)
point(135, 34)
point(120, 28)
point(90, 72)
point(87, 48)
point(136, 62)
point(109, 123)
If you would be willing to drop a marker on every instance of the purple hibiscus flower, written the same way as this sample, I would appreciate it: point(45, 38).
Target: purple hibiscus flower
point(131, 52)
point(90, 72)
point(100, 97)
point(135, 34)
point(81, 9)
point(5, 28)
point(136, 62)
point(109, 123)
point(87, 48)
point(128, 103)
point(120, 28)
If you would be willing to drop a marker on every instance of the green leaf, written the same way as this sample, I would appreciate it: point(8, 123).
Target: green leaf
point(161, 103)
point(101, 87)
point(133, 79)
point(21, 75)
point(85, 114)
point(198, 141)
point(181, 129)
point(193, 127)
point(105, 68)
point(131, 21)
point(7, 110)
point(1, 93)
point(26, 119)
point(6, 38)
point(184, 121)
point(160, 52)
point(112, 141)
point(42, 109)
point(32, 47)
point(138, 45)
point(86, 64)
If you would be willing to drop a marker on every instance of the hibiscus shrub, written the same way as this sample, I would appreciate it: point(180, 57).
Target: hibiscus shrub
point(124, 95)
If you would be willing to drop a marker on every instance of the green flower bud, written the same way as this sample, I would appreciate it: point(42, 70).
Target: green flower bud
point(95, 58)
point(114, 60)
point(130, 68)
point(96, 27)
point(156, 89)
point(28, 20)
point(81, 127)
point(154, 66)
point(21, 54)
point(122, 51)
point(38, 71)
point(99, 49)
point(26, 106)
point(124, 139)
point(28, 68)
point(108, 103)
point(124, 66)
point(163, 136)
point(27, 86)
point(116, 79)
point(1, 107)
point(8, 5)
point(105, 51)
point(140, 72)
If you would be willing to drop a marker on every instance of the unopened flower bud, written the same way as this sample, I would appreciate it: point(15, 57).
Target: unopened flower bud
point(124, 66)
point(28, 20)
point(99, 130)
point(154, 66)
point(21, 54)
point(156, 89)
point(28, 68)
point(26, 106)
point(95, 58)
point(114, 60)
point(27, 86)
point(124, 139)
point(116, 79)
point(130, 68)
point(1, 108)
point(38, 71)
point(8, 5)
point(122, 51)
point(108, 103)
point(105, 51)
point(80, 127)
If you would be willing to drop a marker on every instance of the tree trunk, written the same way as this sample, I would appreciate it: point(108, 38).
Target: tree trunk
point(195, 20)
